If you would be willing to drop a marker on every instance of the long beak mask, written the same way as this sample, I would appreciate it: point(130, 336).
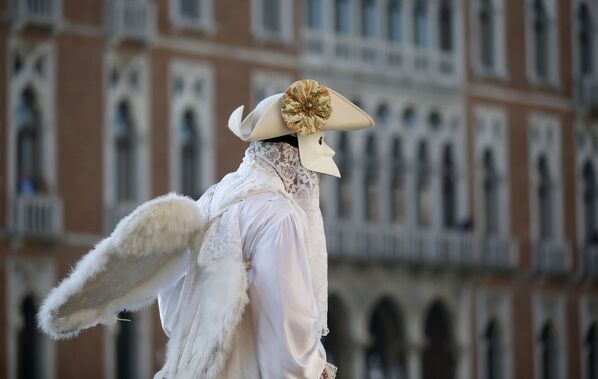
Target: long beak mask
point(267, 121)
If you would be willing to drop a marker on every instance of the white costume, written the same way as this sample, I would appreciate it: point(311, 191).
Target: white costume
point(241, 274)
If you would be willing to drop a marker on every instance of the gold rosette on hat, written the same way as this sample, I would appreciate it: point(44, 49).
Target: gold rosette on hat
point(306, 107)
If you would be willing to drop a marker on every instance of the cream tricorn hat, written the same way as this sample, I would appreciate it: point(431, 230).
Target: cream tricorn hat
point(306, 109)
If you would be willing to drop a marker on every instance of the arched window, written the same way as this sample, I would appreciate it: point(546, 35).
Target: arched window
point(541, 32)
point(386, 353)
point(486, 21)
point(420, 26)
point(589, 203)
point(490, 201)
point(585, 40)
point(124, 139)
point(494, 352)
point(397, 191)
point(394, 15)
point(342, 16)
point(423, 211)
point(409, 118)
point(449, 189)
point(383, 116)
point(371, 180)
point(190, 169)
point(126, 347)
point(336, 343)
point(271, 11)
point(369, 20)
point(439, 354)
point(29, 342)
point(190, 9)
point(445, 26)
point(29, 144)
point(313, 13)
point(344, 193)
point(545, 193)
point(591, 352)
point(549, 353)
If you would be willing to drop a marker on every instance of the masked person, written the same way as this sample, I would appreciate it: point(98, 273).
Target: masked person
point(241, 274)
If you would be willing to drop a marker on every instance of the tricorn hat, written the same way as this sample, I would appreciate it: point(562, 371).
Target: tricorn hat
point(306, 109)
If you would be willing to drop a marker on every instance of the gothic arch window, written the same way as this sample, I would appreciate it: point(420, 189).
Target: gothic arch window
point(394, 14)
point(585, 40)
point(372, 175)
point(313, 13)
point(344, 192)
point(445, 26)
point(342, 16)
point(29, 144)
point(494, 351)
point(29, 342)
point(449, 188)
point(422, 182)
point(397, 191)
point(336, 342)
point(420, 25)
point(545, 194)
point(589, 203)
point(126, 347)
point(125, 147)
point(541, 35)
point(189, 150)
point(438, 354)
point(386, 353)
point(409, 118)
point(272, 10)
point(383, 116)
point(590, 359)
point(549, 354)
point(490, 201)
point(369, 20)
point(486, 20)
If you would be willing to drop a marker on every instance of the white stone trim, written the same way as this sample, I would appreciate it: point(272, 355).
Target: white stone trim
point(588, 314)
point(499, 44)
point(286, 22)
point(202, 105)
point(205, 22)
point(495, 304)
point(550, 308)
point(24, 277)
point(553, 44)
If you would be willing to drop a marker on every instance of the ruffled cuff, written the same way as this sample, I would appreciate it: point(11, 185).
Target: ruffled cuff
point(329, 371)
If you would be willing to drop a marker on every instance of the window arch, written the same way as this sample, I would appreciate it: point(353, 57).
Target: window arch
point(541, 33)
point(271, 15)
point(589, 203)
point(591, 352)
point(336, 343)
point(438, 354)
point(344, 194)
point(486, 19)
point(386, 353)
point(313, 13)
point(494, 351)
point(29, 143)
point(585, 40)
point(449, 188)
point(549, 353)
point(490, 201)
point(420, 25)
point(189, 145)
point(29, 341)
point(342, 16)
point(397, 192)
point(126, 347)
point(445, 26)
point(394, 12)
point(383, 116)
point(125, 147)
point(372, 175)
point(409, 118)
point(369, 17)
point(423, 211)
point(545, 193)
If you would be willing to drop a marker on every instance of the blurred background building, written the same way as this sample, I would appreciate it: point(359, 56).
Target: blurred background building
point(463, 237)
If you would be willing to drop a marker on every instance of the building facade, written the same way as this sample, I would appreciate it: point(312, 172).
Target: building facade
point(463, 236)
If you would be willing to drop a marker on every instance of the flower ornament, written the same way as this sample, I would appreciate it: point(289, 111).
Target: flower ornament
point(306, 107)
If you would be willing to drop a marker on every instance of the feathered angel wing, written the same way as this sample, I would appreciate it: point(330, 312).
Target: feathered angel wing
point(147, 252)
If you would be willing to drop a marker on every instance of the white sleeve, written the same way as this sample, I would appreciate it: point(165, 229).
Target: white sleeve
point(284, 313)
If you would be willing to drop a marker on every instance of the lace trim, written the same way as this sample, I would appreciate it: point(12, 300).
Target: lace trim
point(329, 371)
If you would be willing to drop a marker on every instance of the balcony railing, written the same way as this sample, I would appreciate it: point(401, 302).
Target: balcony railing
point(37, 12)
point(132, 19)
point(377, 56)
point(116, 212)
point(36, 216)
point(551, 257)
point(587, 93)
point(589, 261)
point(389, 242)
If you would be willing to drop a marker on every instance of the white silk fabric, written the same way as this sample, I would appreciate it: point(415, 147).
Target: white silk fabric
point(278, 227)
